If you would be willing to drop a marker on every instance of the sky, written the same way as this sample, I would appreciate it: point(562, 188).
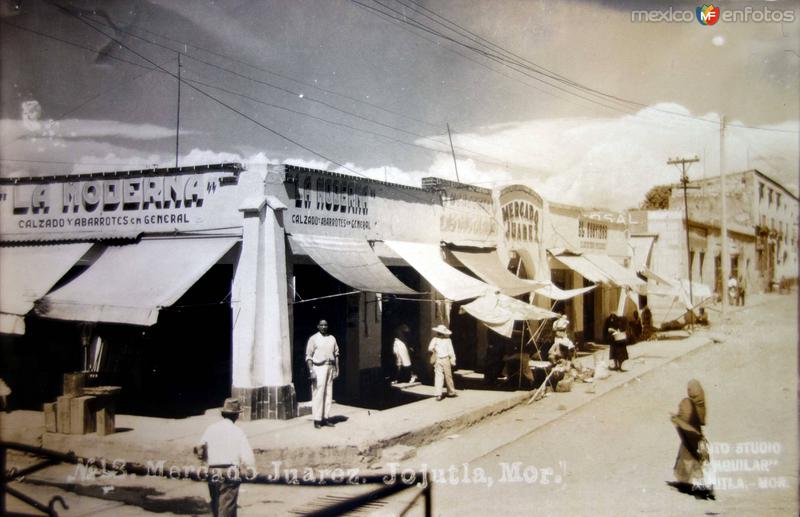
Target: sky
point(578, 100)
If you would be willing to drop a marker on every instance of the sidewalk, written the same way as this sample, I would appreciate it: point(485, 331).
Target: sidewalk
point(363, 437)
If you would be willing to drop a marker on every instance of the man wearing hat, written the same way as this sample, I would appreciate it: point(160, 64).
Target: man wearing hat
point(322, 359)
point(226, 449)
point(444, 358)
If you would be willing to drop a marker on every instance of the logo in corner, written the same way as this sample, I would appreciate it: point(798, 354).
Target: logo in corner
point(708, 14)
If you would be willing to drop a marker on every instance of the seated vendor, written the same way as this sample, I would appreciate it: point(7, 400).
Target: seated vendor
point(563, 347)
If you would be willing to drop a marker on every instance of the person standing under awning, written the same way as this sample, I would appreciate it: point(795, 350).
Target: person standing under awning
point(322, 358)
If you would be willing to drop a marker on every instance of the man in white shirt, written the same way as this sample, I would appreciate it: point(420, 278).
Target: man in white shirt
point(443, 358)
point(733, 290)
point(402, 355)
point(226, 449)
point(322, 359)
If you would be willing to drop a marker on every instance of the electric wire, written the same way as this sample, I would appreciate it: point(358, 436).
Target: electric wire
point(421, 26)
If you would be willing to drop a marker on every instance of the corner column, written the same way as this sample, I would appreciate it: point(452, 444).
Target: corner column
point(262, 373)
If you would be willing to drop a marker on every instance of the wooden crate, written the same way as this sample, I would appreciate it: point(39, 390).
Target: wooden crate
point(50, 417)
point(81, 415)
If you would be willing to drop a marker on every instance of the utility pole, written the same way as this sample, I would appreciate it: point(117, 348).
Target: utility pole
point(178, 120)
point(724, 223)
point(452, 150)
point(685, 163)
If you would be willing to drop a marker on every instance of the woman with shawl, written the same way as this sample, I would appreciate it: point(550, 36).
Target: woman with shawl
point(693, 452)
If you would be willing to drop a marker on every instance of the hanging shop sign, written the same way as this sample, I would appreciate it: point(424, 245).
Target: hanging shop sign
point(119, 204)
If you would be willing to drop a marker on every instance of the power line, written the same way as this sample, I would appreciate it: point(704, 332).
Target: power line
point(469, 153)
point(277, 74)
point(537, 69)
point(67, 42)
point(211, 97)
point(305, 97)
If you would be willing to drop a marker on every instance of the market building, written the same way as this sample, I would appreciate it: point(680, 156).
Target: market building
point(184, 285)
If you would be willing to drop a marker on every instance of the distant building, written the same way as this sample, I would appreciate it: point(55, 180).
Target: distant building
point(757, 205)
point(762, 233)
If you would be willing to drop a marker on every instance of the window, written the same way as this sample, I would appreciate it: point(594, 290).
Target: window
point(761, 192)
point(769, 197)
point(778, 199)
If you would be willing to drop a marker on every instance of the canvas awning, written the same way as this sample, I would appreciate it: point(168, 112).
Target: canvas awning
point(427, 260)
point(583, 267)
point(642, 247)
point(618, 274)
point(27, 273)
point(499, 312)
point(485, 263)
point(660, 285)
point(600, 268)
point(351, 261)
point(130, 283)
point(553, 292)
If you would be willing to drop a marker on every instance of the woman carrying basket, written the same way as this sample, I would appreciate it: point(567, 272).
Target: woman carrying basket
point(693, 455)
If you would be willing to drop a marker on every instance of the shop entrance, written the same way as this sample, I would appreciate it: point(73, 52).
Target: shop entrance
point(180, 366)
point(328, 300)
point(403, 310)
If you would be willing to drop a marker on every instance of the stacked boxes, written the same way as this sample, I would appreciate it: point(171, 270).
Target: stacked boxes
point(81, 410)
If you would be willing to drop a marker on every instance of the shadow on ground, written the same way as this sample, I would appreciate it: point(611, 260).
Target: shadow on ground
point(148, 499)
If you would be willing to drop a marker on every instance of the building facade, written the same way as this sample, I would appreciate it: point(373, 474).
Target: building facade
point(190, 284)
point(757, 206)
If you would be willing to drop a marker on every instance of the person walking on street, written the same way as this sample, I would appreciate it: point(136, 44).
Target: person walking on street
point(322, 359)
point(404, 373)
point(618, 342)
point(225, 448)
point(443, 358)
point(693, 452)
point(733, 290)
point(742, 289)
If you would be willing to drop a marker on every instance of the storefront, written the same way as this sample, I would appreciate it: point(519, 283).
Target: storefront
point(188, 285)
point(126, 275)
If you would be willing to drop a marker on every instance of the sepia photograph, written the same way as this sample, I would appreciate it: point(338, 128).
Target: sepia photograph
point(399, 257)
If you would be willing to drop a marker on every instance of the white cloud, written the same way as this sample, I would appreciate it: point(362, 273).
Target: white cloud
point(612, 162)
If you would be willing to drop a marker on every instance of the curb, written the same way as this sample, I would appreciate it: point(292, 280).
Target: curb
point(368, 455)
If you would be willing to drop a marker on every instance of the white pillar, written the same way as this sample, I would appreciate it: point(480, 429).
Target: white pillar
point(262, 370)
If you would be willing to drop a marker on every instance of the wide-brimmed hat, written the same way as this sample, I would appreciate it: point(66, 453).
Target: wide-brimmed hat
point(232, 406)
point(441, 329)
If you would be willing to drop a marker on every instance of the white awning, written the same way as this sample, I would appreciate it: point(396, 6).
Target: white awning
point(659, 285)
point(351, 261)
point(27, 273)
point(642, 247)
point(601, 269)
point(618, 274)
point(130, 283)
point(486, 264)
point(584, 268)
point(499, 312)
point(553, 292)
point(427, 260)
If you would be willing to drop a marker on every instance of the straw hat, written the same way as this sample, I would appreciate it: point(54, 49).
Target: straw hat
point(441, 329)
point(232, 407)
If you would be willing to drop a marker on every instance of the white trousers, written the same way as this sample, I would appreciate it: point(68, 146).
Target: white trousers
point(322, 391)
point(443, 374)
